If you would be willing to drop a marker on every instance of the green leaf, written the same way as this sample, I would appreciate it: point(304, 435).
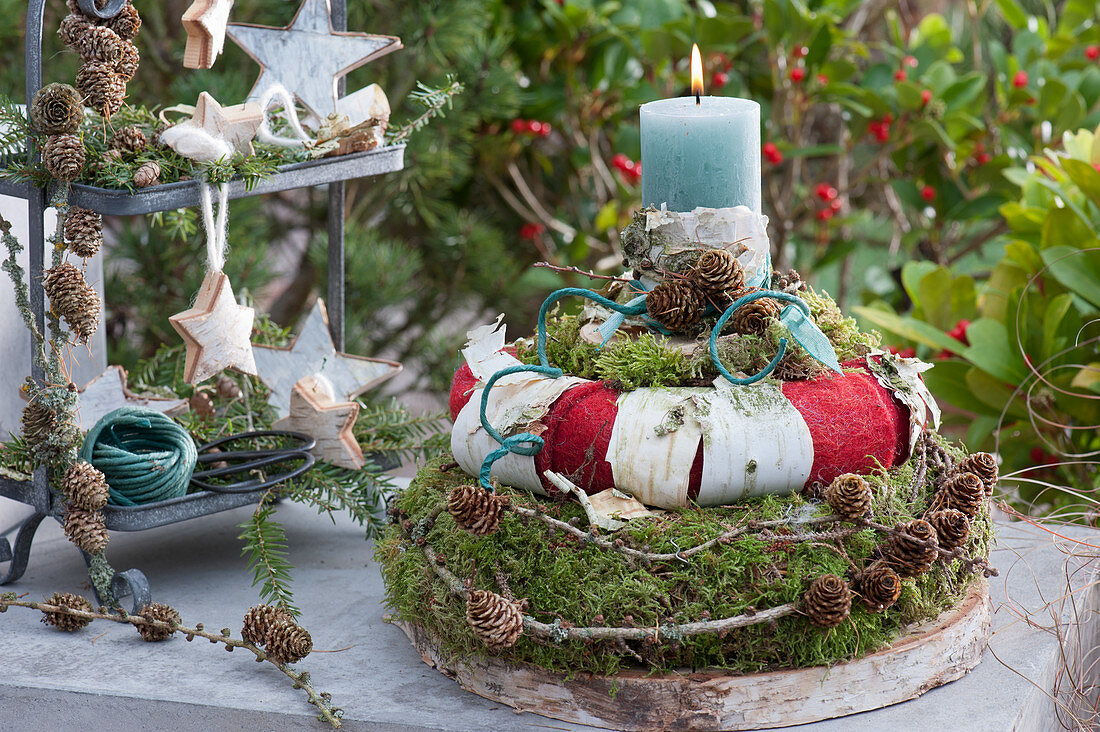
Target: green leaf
point(911, 275)
point(909, 328)
point(991, 351)
point(607, 217)
point(948, 382)
point(819, 46)
point(1077, 269)
point(1085, 176)
point(1056, 310)
point(1013, 14)
point(993, 392)
point(963, 91)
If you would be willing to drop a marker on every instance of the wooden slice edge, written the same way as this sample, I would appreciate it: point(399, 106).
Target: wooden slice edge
point(930, 655)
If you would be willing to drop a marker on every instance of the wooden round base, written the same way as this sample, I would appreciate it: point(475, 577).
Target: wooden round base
point(931, 655)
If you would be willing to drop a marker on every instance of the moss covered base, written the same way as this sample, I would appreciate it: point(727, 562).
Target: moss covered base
point(569, 581)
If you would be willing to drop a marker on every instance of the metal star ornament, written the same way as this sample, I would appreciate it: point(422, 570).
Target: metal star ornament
point(308, 57)
point(107, 392)
point(313, 353)
point(217, 331)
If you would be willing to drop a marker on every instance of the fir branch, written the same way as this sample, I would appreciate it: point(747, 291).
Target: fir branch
point(331, 489)
point(301, 679)
point(390, 428)
point(265, 546)
point(15, 128)
point(436, 101)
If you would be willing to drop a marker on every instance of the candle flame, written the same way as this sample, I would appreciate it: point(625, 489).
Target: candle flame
point(696, 72)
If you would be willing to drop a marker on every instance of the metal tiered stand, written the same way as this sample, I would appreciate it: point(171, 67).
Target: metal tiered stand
point(36, 493)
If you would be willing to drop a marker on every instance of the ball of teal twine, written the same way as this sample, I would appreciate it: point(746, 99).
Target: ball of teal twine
point(144, 455)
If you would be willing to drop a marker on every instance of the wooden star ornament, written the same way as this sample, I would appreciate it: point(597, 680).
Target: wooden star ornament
point(314, 412)
point(214, 131)
point(308, 57)
point(204, 22)
point(313, 352)
point(217, 331)
point(108, 391)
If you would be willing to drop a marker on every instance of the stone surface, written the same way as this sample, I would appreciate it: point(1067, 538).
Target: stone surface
point(105, 677)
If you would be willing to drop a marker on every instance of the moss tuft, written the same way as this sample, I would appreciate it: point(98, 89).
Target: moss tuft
point(649, 360)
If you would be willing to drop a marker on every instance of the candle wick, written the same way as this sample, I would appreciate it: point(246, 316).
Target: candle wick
point(697, 101)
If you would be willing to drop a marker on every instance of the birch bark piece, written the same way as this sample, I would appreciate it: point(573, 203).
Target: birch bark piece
point(470, 444)
point(216, 330)
point(930, 655)
point(653, 444)
point(755, 443)
point(738, 229)
point(108, 391)
point(314, 412)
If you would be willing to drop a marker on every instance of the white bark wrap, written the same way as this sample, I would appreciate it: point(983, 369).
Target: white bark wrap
point(723, 228)
point(754, 443)
point(653, 467)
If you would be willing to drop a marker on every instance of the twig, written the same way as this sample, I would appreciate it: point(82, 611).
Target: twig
point(968, 563)
point(322, 701)
point(578, 270)
point(532, 200)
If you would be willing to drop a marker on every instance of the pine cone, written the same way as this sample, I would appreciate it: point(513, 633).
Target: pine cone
point(84, 322)
point(496, 620)
point(164, 613)
point(73, 299)
point(952, 528)
point(787, 282)
point(259, 622)
point(72, 29)
point(128, 139)
point(828, 601)
point(475, 509)
point(128, 62)
point(102, 88)
point(38, 422)
point(83, 231)
point(983, 465)
point(962, 491)
point(849, 495)
point(85, 486)
point(879, 586)
point(228, 388)
point(63, 156)
point(914, 551)
point(57, 109)
point(65, 621)
point(86, 530)
point(288, 642)
point(99, 43)
point(718, 274)
point(127, 23)
point(147, 175)
point(675, 304)
point(754, 317)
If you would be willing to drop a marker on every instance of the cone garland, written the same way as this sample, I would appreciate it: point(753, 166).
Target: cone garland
point(828, 601)
point(288, 642)
point(913, 550)
point(878, 586)
point(952, 528)
point(675, 304)
point(128, 139)
point(63, 156)
point(148, 174)
point(128, 61)
point(103, 89)
point(85, 487)
point(72, 29)
point(99, 43)
point(983, 465)
point(38, 422)
point(83, 231)
point(56, 109)
point(496, 620)
point(73, 299)
point(718, 274)
point(259, 622)
point(65, 621)
point(753, 318)
point(86, 530)
point(127, 23)
point(158, 611)
point(849, 495)
point(475, 509)
point(964, 492)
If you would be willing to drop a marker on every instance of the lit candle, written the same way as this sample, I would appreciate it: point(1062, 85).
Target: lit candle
point(701, 151)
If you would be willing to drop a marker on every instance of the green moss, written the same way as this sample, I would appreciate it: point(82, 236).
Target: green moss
point(576, 582)
point(649, 360)
point(564, 348)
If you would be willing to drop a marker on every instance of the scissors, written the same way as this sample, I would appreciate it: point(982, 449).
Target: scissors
point(298, 450)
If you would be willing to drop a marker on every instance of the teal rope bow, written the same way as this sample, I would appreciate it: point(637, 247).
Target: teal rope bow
point(797, 301)
point(144, 455)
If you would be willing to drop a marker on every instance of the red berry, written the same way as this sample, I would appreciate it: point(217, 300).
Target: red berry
point(1092, 53)
point(534, 126)
point(887, 118)
point(900, 75)
point(925, 97)
point(908, 352)
point(835, 205)
point(982, 158)
point(531, 230)
point(546, 130)
point(1020, 79)
point(824, 214)
point(928, 193)
point(959, 331)
point(519, 126)
point(825, 192)
point(1037, 455)
point(719, 79)
point(882, 132)
point(909, 61)
point(823, 80)
point(800, 51)
point(620, 161)
point(798, 74)
point(772, 153)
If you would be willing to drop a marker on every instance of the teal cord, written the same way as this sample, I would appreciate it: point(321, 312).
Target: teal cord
point(782, 341)
point(565, 292)
point(524, 443)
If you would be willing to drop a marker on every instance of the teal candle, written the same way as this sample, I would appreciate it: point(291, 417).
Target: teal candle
point(705, 154)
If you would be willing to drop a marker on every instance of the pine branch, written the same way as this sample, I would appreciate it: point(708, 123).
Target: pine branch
point(360, 493)
point(434, 99)
point(265, 547)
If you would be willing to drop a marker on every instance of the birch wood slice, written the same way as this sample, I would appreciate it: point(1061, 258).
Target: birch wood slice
point(930, 655)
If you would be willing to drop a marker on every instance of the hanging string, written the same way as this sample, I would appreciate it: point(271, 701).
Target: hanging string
point(277, 93)
point(216, 229)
